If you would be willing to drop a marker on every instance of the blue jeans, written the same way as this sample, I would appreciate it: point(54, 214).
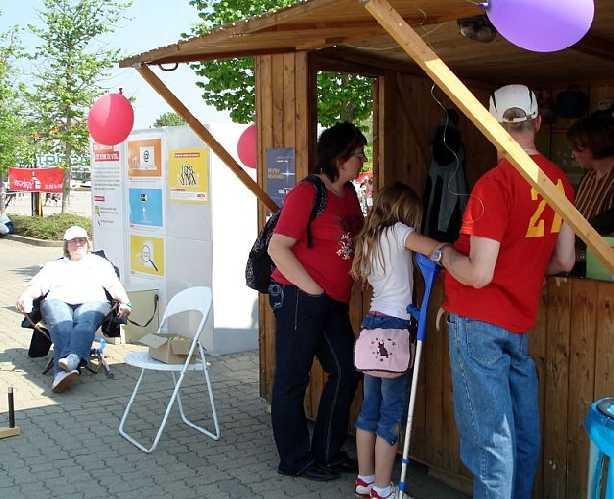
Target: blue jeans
point(384, 403)
point(72, 327)
point(309, 326)
point(496, 407)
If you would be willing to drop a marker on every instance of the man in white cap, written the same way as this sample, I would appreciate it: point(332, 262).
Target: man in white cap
point(75, 302)
point(510, 238)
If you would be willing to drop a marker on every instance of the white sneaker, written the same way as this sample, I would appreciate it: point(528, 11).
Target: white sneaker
point(70, 362)
point(362, 489)
point(393, 494)
point(63, 380)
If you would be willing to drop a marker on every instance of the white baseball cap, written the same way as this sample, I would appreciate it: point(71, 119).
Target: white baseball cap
point(73, 232)
point(513, 96)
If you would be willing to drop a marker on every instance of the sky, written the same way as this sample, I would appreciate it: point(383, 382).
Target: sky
point(153, 24)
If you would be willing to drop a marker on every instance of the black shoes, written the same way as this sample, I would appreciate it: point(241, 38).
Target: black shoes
point(344, 464)
point(315, 473)
point(324, 473)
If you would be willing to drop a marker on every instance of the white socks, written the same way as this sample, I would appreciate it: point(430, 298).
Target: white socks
point(383, 491)
point(368, 479)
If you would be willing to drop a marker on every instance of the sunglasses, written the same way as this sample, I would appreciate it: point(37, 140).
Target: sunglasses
point(78, 240)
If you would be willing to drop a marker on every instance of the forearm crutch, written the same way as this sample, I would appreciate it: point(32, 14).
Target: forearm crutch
point(429, 270)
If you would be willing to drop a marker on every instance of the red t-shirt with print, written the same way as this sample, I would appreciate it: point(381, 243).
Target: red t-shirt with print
point(329, 259)
point(504, 207)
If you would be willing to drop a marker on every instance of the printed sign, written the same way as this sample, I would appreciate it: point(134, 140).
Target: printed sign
point(280, 173)
point(36, 179)
point(147, 255)
point(145, 158)
point(146, 207)
point(106, 187)
point(105, 154)
point(188, 175)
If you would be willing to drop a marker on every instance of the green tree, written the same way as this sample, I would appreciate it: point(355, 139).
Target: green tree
point(229, 84)
point(169, 119)
point(13, 133)
point(72, 59)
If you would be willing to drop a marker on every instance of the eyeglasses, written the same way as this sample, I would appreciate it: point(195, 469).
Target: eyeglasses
point(78, 240)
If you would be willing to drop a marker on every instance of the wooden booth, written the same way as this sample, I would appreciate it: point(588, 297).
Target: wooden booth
point(405, 46)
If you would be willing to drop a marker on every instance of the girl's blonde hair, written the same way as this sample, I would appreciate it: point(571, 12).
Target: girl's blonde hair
point(395, 203)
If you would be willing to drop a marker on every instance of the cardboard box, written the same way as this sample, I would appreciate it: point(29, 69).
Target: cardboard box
point(594, 267)
point(143, 305)
point(169, 349)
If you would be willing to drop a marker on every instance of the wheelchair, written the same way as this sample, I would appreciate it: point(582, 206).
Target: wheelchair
point(40, 342)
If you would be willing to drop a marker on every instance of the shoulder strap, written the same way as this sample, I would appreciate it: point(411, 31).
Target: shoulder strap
point(319, 204)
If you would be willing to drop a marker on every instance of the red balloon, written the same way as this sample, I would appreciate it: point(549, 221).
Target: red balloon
point(110, 119)
point(247, 145)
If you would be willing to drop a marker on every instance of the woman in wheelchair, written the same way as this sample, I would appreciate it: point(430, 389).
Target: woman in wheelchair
point(75, 302)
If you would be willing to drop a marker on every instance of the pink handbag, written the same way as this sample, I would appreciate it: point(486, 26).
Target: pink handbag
point(384, 353)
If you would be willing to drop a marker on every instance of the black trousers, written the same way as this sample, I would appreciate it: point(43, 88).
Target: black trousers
point(309, 326)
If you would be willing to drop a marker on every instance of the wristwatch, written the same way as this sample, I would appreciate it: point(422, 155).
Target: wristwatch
point(437, 254)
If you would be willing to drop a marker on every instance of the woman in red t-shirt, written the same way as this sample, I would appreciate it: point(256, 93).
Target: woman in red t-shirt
point(309, 295)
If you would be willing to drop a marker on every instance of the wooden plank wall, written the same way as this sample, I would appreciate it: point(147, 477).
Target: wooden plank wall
point(408, 118)
point(572, 347)
point(284, 112)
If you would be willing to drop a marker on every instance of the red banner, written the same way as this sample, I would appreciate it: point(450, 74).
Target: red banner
point(105, 154)
point(36, 179)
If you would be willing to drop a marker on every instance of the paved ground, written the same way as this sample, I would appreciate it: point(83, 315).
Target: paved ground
point(70, 446)
point(80, 203)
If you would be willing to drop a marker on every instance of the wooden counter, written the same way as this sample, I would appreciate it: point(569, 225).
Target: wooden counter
point(573, 346)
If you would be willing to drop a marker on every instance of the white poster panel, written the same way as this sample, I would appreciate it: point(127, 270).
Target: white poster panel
point(113, 245)
point(107, 189)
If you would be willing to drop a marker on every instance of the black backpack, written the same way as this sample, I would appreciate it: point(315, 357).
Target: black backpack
point(259, 264)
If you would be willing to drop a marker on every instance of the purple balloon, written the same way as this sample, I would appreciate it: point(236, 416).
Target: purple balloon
point(542, 25)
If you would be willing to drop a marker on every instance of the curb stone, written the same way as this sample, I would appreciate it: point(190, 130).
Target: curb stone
point(34, 241)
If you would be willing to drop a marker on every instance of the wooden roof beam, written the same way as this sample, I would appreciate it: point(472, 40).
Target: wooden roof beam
point(199, 129)
point(341, 25)
point(430, 62)
point(595, 46)
point(217, 56)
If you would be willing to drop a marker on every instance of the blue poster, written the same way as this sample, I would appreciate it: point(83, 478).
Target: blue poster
point(146, 207)
point(280, 173)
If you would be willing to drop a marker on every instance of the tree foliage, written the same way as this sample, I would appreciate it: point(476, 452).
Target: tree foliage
point(13, 145)
point(71, 60)
point(169, 119)
point(229, 85)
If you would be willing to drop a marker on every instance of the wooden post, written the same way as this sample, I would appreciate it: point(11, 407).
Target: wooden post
point(158, 85)
point(11, 430)
point(429, 61)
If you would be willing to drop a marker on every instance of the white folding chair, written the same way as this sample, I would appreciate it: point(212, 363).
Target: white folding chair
point(197, 298)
